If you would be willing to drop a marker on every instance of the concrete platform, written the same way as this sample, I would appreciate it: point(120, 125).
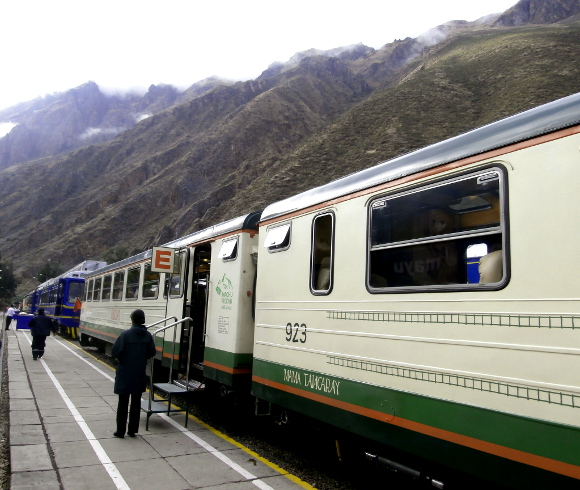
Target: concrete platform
point(62, 419)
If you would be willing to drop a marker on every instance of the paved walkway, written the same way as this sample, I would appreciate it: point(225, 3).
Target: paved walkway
point(62, 418)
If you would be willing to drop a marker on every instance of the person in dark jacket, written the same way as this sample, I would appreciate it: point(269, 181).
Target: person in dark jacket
point(132, 348)
point(40, 328)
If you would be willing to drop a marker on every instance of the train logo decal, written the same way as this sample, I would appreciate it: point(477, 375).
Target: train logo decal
point(225, 289)
point(313, 381)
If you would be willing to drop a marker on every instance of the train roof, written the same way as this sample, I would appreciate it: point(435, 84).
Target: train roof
point(246, 222)
point(544, 119)
point(79, 271)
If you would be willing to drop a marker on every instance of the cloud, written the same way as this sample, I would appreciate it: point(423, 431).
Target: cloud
point(140, 117)
point(6, 127)
point(432, 36)
point(94, 132)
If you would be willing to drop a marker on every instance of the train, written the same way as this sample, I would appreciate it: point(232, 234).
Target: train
point(428, 305)
point(60, 297)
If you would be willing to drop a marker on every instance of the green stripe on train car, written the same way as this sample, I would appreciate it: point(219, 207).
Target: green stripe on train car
point(550, 440)
point(228, 368)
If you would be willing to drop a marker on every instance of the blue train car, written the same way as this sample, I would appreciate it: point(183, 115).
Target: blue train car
point(60, 297)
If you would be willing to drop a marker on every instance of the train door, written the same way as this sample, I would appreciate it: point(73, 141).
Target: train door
point(175, 294)
point(197, 304)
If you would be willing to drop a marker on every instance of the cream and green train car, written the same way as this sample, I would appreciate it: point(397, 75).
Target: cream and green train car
point(212, 282)
point(432, 303)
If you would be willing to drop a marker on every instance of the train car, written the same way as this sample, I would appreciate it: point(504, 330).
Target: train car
point(211, 282)
point(431, 304)
point(58, 296)
point(28, 302)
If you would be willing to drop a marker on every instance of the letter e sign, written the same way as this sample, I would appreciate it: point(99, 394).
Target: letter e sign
point(162, 259)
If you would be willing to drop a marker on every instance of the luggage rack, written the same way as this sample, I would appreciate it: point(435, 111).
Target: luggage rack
point(184, 386)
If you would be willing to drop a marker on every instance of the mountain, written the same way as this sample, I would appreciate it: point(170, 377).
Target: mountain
point(58, 123)
point(215, 154)
point(538, 12)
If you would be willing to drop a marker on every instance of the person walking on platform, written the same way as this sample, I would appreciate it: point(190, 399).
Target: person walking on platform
point(40, 328)
point(132, 348)
point(9, 314)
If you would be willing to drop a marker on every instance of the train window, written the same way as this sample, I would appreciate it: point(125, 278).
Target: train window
point(44, 297)
point(97, 290)
point(428, 237)
point(90, 291)
point(278, 238)
point(133, 278)
point(175, 279)
point(229, 250)
point(75, 291)
point(107, 283)
point(150, 283)
point(52, 295)
point(322, 254)
point(118, 285)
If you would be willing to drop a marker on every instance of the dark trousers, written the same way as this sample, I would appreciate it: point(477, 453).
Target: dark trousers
point(8, 320)
point(134, 412)
point(38, 344)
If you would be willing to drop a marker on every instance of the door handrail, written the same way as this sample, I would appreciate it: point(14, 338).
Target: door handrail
point(162, 329)
point(161, 321)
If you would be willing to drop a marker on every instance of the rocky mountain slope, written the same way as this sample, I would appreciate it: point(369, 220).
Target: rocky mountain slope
point(58, 123)
point(235, 148)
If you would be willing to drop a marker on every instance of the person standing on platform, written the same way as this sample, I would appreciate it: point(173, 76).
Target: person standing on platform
point(40, 328)
point(9, 314)
point(132, 348)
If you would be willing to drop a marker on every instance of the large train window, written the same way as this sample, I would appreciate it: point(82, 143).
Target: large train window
point(278, 238)
point(448, 235)
point(322, 254)
point(176, 278)
point(133, 278)
point(90, 291)
point(150, 283)
point(97, 290)
point(118, 285)
point(52, 294)
point(107, 283)
point(75, 291)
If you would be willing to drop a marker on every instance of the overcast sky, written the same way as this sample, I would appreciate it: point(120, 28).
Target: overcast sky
point(53, 45)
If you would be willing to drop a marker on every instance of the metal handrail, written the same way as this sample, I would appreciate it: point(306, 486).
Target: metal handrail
point(172, 353)
point(161, 321)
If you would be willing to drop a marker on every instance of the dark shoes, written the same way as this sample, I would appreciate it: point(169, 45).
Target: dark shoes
point(130, 434)
point(35, 359)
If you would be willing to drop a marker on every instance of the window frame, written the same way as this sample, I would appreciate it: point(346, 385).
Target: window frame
point(313, 250)
point(282, 246)
point(115, 286)
point(181, 257)
point(503, 231)
point(89, 290)
point(233, 253)
point(127, 283)
point(97, 293)
point(73, 285)
point(147, 266)
point(107, 278)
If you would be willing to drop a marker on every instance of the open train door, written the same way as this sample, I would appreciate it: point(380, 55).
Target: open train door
point(175, 292)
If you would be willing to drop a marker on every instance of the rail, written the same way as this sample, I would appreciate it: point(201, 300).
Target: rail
point(162, 329)
point(161, 321)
